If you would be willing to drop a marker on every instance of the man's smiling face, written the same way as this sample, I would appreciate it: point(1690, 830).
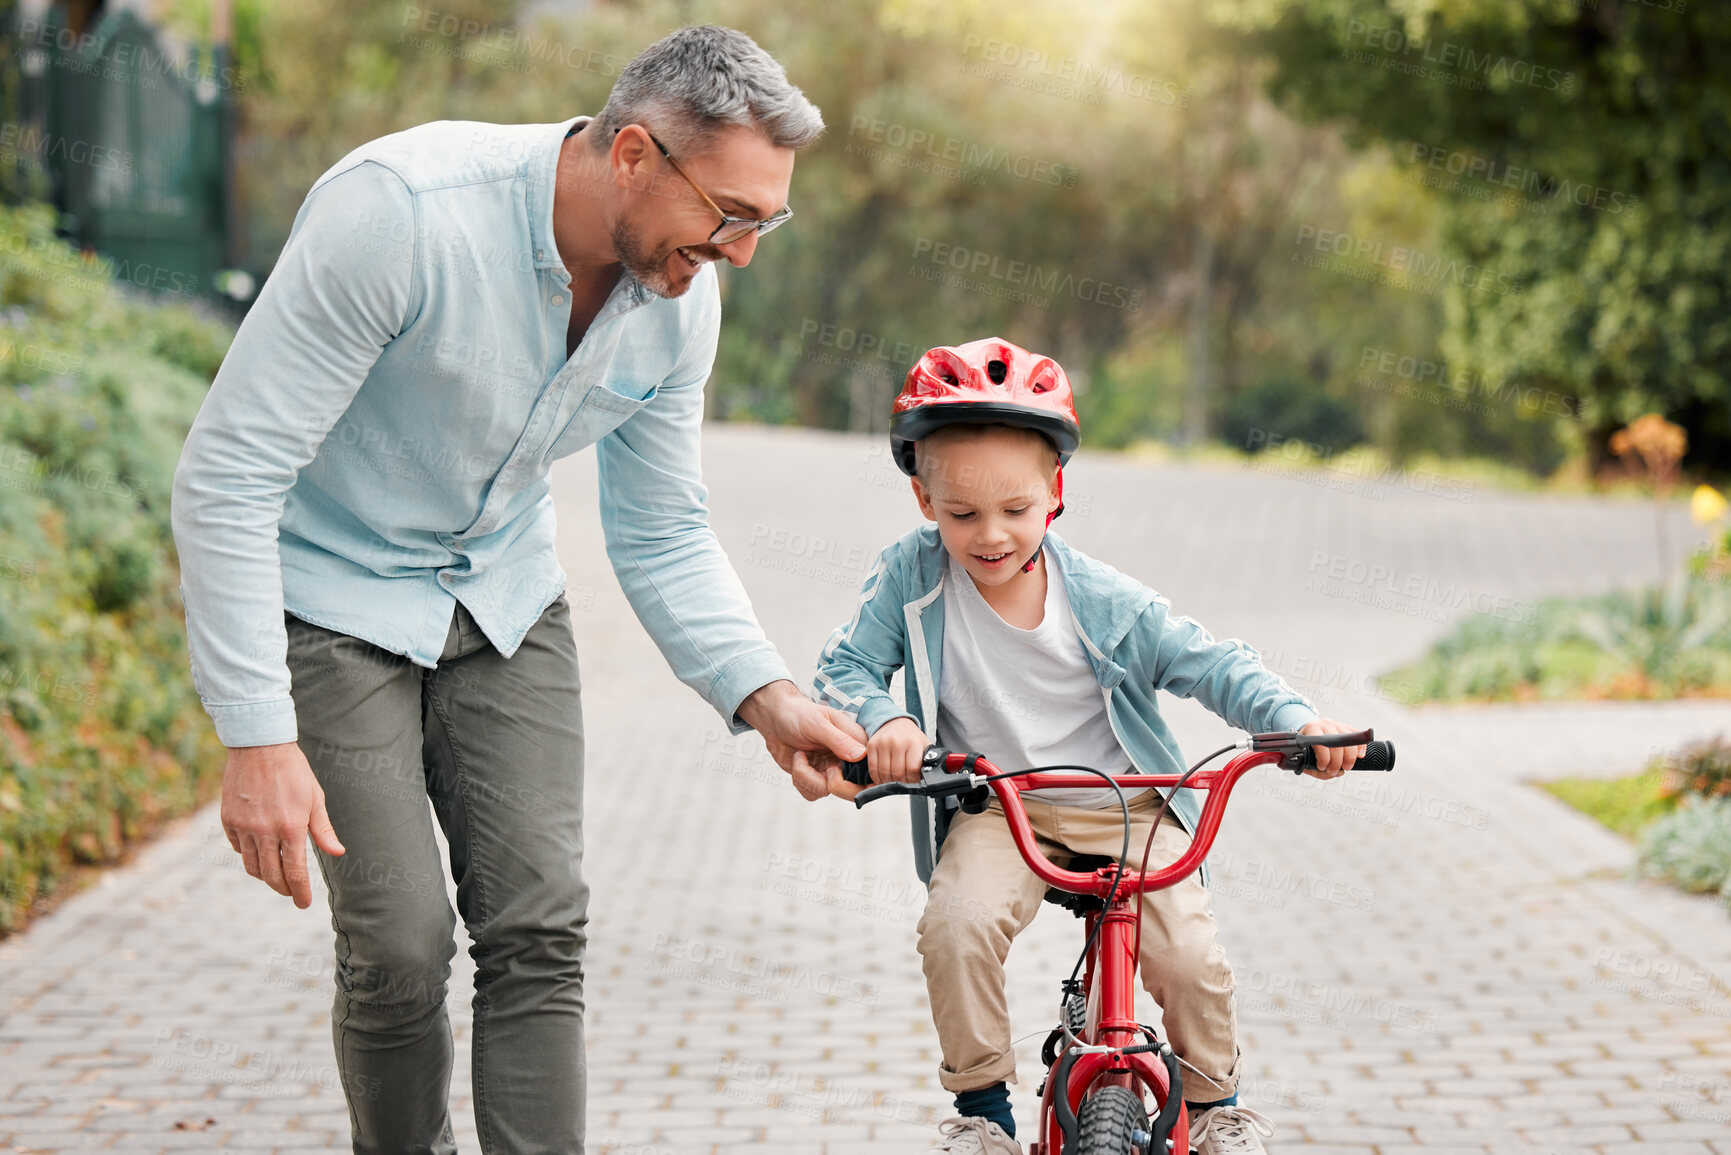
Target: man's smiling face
point(662, 234)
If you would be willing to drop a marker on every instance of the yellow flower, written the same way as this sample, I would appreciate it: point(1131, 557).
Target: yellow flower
point(1707, 506)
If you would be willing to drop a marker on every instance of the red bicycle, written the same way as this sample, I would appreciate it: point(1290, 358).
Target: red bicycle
point(1112, 1086)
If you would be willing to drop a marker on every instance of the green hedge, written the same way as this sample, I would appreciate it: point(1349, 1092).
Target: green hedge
point(101, 732)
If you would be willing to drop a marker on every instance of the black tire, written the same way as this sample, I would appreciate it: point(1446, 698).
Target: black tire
point(1109, 1117)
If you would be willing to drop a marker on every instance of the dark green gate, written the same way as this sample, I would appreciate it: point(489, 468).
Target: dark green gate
point(133, 139)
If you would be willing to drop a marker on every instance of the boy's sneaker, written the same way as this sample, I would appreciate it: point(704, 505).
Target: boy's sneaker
point(972, 1135)
point(1230, 1131)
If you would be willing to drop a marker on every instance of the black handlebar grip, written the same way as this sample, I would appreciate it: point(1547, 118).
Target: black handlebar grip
point(856, 772)
point(1377, 756)
point(873, 793)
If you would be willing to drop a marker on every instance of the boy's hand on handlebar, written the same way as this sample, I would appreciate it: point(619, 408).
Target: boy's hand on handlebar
point(1333, 761)
point(894, 752)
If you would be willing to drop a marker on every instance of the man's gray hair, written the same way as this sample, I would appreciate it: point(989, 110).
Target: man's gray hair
point(686, 86)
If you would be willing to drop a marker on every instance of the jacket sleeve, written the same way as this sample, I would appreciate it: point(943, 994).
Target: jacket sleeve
point(863, 654)
point(1226, 676)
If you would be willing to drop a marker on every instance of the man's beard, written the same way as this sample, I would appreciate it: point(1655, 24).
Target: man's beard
point(652, 274)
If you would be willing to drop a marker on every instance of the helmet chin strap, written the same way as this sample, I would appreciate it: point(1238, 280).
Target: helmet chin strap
point(1050, 517)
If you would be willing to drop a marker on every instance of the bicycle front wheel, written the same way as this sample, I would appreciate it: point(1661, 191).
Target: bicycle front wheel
point(1110, 1116)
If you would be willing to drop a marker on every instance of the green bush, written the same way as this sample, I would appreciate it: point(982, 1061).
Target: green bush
point(1691, 848)
point(1669, 642)
point(101, 732)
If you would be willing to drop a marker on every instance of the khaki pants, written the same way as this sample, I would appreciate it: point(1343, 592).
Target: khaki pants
point(983, 895)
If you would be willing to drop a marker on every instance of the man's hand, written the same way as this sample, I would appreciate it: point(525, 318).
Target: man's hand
point(1333, 761)
point(270, 800)
point(804, 738)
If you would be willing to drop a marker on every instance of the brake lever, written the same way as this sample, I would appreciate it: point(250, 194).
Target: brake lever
point(935, 782)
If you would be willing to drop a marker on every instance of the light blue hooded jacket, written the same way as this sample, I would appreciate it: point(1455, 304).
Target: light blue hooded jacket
point(1134, 642)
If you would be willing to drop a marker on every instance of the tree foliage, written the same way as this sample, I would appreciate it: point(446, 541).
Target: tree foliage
point(1585, 152)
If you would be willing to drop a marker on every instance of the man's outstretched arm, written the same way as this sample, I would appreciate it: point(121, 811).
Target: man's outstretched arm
point(655, 516)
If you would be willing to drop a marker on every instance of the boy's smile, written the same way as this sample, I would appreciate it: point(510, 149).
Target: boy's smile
point(989, 494)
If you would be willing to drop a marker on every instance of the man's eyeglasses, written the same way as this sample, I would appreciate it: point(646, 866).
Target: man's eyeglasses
point(731, 228)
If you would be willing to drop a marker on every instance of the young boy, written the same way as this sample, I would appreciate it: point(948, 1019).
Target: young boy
point(1021, 648)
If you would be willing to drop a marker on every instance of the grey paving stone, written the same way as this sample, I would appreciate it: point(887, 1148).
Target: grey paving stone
point(1508, 933)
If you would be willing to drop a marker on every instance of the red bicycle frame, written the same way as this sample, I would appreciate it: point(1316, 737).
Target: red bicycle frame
point(1113, 1050)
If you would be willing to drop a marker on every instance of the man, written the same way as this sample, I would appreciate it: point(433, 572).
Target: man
point(457, 306)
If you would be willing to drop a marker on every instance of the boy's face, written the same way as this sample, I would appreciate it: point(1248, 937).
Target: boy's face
point(989, 495)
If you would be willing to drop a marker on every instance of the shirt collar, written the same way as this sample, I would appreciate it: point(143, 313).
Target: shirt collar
point(543, 176)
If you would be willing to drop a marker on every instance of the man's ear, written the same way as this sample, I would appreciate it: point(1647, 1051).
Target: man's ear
point(631, 157)
point(924, 498)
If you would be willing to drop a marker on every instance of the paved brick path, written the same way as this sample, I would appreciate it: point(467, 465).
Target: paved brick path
point(1443, 960)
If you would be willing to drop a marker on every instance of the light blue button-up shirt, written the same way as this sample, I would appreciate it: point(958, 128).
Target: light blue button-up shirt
point(376, 445)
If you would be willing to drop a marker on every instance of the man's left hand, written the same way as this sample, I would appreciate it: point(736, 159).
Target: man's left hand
point(804, 738)
point(1333, 761)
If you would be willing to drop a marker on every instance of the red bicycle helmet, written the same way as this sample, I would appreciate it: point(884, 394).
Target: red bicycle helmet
point(983, 383)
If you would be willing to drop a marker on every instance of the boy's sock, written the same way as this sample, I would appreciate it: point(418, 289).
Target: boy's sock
point(989, 1103)
point(1198, 1108)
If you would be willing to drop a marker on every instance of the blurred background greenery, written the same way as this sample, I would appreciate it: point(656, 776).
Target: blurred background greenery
point(1174, 178)
point(1482, 238)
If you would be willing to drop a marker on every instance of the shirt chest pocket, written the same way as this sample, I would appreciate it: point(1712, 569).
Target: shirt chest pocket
point(598, 412)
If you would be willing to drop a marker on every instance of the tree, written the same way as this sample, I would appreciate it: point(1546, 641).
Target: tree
point(1584, 151)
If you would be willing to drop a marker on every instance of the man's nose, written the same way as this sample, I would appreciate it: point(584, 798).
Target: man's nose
point(739, 252)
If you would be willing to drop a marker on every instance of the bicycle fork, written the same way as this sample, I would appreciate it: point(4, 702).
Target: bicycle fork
point(1112, 1048)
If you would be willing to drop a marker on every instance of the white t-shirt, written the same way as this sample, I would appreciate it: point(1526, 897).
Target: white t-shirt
point(1024, 697)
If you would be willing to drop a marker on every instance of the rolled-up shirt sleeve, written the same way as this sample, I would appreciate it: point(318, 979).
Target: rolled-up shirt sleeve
point(655, 517)
point(340, 291)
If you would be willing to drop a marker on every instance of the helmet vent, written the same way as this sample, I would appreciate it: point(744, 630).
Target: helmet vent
point(997, 371)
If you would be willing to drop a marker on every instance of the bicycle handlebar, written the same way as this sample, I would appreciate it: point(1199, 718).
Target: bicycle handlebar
point(944, 772)
point(936, 781)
